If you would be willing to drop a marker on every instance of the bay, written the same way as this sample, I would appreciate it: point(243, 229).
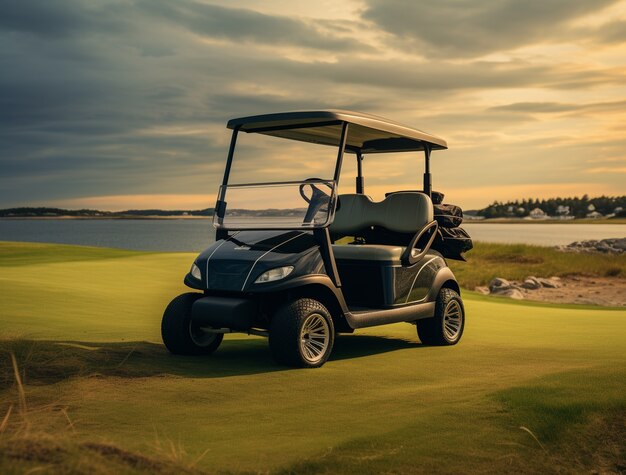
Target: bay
point(194, 235)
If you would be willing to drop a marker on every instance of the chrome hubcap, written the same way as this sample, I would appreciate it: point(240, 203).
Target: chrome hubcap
point(314, 338)
point(452, 320)
point(199, 336)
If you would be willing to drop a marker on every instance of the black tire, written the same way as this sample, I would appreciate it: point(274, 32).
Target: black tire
point(446, 327)
point(290, 341)
point(180, 335)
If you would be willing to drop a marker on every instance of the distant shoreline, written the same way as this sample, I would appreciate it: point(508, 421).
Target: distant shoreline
point(99, 218)
point(466, 221)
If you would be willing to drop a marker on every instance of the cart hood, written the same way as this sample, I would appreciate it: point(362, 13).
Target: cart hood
point(235, 263)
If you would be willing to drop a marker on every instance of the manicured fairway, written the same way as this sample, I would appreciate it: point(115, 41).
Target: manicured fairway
point(84, 326)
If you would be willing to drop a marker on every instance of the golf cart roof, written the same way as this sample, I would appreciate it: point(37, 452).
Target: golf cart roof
point(366, 134)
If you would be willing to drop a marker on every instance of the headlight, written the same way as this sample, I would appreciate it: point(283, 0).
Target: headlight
point(274, 274)
point(195, 272)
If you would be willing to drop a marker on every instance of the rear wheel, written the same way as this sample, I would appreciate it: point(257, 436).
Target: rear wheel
point(302, 334)
point(181, 335)
point(446, 327)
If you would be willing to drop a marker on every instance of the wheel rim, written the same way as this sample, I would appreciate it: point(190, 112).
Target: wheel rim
point(199, 336)
point(452, 320)
point(314, 338)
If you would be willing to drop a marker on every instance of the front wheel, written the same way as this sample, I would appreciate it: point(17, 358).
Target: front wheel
point(446, 327)
point(181, 335)
point(302, 334)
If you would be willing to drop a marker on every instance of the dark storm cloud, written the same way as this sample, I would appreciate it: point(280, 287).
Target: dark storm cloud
point(241, 25)
point(471, 29)
point(41, 18)
point(62, 19)
point(58, 19)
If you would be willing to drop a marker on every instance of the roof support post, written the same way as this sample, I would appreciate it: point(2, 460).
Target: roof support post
point(428, 189)
point(231, 153)
point(342, 148)
point(220, 205)
point(360, 182)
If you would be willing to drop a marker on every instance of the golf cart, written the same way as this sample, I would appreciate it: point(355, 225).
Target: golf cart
point(280, 271)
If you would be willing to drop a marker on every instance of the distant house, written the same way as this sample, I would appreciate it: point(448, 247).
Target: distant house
point(591, 208)
point(537, 213)
point(618, 210)
point(562, 210)
point(595, 215)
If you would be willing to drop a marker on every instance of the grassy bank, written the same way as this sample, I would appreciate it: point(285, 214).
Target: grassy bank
point(517, 261)
point(529, 389)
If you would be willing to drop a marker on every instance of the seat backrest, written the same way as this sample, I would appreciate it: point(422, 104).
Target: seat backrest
point(399, 212)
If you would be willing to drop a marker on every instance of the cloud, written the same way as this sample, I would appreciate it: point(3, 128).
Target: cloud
point(60, 19)
point(471, 29)
point(130, 97)
point(606, 170)
point(609, 33)
point(560, 107)
point(244, 25)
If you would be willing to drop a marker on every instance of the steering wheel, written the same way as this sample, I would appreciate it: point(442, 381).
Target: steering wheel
point(316, 202)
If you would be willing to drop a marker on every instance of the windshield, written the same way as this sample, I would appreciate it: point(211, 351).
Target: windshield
point(278, 184)
point(291, 205)
point(266, 159)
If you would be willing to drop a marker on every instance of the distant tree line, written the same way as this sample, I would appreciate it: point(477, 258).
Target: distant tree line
point(577, 207)
point(25, 212)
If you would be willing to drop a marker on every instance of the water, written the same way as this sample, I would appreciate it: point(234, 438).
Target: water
point(136, 234)
point(542, 234)
point(196, 234)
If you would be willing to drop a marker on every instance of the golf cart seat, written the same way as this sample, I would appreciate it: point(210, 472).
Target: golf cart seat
point(368, 252)
point(405, 213)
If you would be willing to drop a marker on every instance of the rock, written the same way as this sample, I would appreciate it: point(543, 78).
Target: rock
point(482, 290)
point(606, 246)
point(620, 244)
point(499, 284)
point(549, 283)
point(603, 246)
point(504, 288)
point(511, 293)
point(531, 283)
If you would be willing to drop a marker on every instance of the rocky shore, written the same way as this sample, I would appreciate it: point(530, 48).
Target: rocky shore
point(516, 290)
point(585, 290)
point(605, 246)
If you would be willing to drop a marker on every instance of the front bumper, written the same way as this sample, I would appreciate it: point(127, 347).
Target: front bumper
point(225, 312)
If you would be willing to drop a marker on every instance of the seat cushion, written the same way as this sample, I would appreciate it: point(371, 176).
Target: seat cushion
point(405, 212)
point(367, 252)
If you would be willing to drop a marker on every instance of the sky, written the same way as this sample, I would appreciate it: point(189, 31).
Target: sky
point(122, 104)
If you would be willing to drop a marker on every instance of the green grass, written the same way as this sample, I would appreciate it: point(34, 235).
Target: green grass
point(101, 395)
point(517, 261)
point(19, 254)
